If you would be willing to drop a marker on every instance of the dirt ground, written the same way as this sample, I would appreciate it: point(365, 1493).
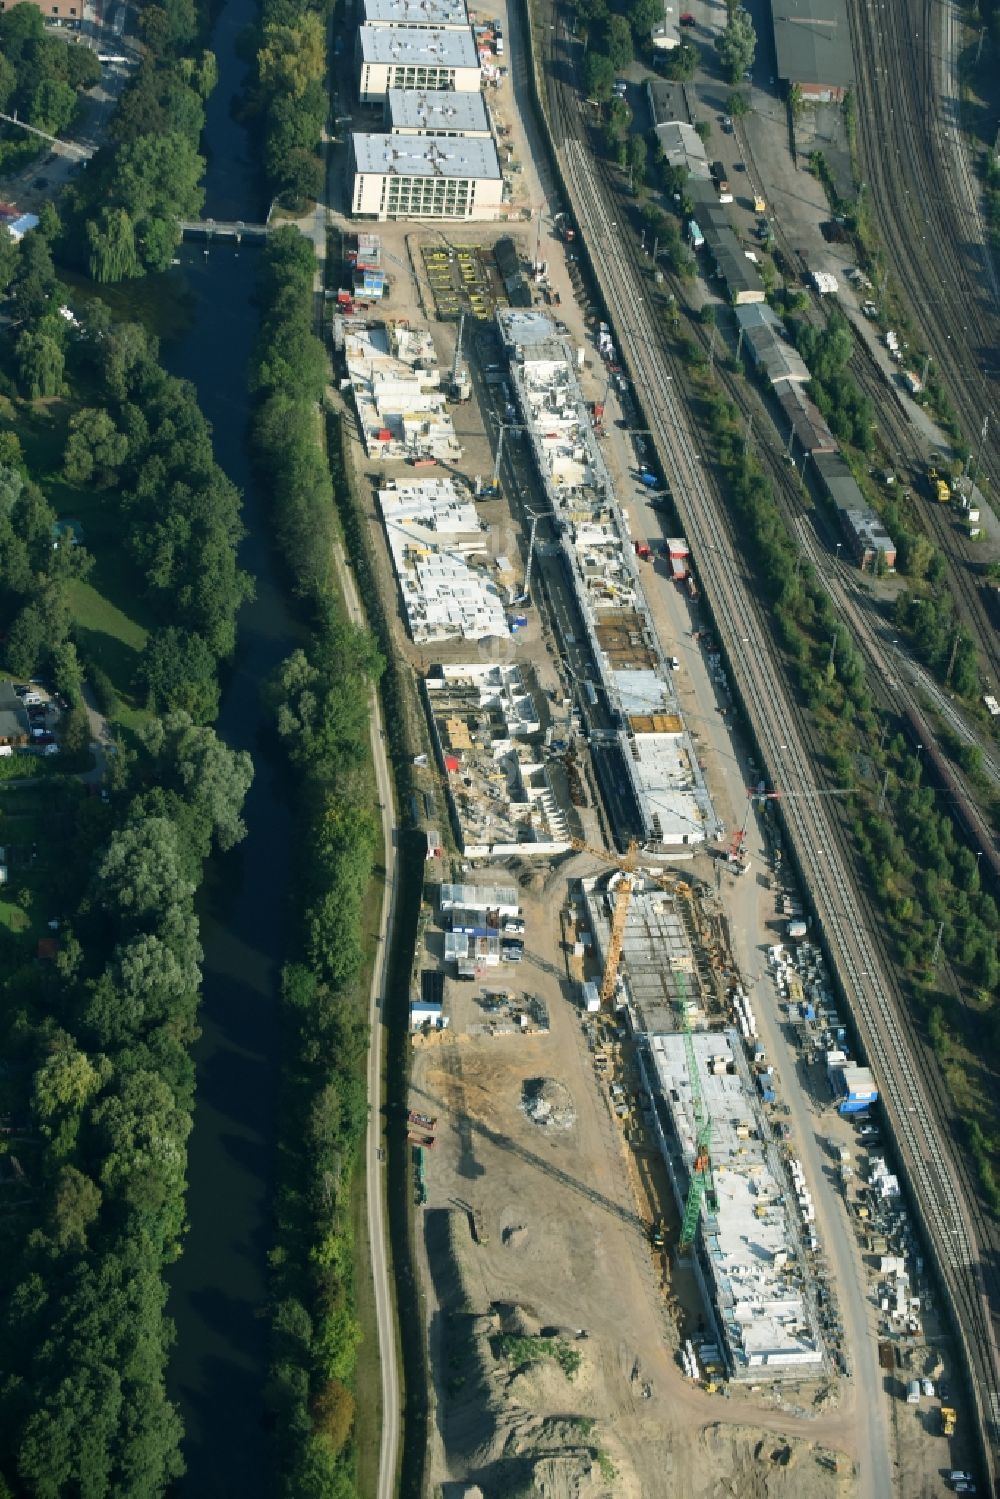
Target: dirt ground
point(563, 1247)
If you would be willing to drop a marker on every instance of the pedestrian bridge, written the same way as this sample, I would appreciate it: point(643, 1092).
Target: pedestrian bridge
point(223, 229)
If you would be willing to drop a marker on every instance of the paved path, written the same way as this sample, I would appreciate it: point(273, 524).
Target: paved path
point(389, 1450)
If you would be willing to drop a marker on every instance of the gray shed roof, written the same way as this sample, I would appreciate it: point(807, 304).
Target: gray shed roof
point(813, 42)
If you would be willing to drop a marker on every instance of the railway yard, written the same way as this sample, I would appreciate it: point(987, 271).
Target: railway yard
point(693, 1208)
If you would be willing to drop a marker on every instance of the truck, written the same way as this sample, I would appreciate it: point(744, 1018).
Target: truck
point(643, 550)
point(949, 1421)
point(648, 480)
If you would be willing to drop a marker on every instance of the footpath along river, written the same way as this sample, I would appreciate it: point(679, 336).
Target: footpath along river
point(218, 1289)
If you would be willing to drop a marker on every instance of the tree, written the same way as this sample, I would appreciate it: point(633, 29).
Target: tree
point(644, 15)
point(73, 1207)
point(293, 57)
point(598, 76)
point(620, 50)
point(333, 1413)
point(40, 365)
point(95, 449)
point(138, 878)
point(112, 253)
point(737, 45)
point(682, 63)
point(213, 778)
point(53, 106)
point(177, 670)
point(301, 175)
point(74, 731)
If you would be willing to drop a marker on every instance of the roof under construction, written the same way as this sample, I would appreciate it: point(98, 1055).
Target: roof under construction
point(761, 1297)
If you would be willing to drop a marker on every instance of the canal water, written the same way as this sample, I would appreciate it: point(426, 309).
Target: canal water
point(219, 1287)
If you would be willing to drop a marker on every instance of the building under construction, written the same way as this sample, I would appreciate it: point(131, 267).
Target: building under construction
point(747, 1250)
point(728, 1177)
point(641, 748)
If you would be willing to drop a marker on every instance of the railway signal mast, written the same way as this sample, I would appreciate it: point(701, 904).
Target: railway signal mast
point(738, 860)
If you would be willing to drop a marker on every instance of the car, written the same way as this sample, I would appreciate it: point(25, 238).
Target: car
point(727, 124)
point(687, 19)
point(674, 664)
point(748, 76)
point(42, 737)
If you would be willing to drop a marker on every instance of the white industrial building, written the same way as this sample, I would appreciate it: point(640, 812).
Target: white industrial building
point(750, 1259)
point(438, 546)
point(425, 177)
point(481, 898)
point(402, 411)
point(436, 112)
point(442, 15)
point(418, 57)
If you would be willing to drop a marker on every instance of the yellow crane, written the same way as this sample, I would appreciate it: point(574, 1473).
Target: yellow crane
point(626, 863)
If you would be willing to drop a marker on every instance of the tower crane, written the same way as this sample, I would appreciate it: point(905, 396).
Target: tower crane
point(701, 1184)
point(623, 894)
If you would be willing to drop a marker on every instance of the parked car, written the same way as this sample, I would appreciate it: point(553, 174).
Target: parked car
point(687, 19)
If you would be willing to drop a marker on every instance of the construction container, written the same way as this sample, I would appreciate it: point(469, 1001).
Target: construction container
point(913, 1392)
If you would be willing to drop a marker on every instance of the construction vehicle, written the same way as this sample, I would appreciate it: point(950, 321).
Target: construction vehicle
point(939, 488)
point(949, 1420)
point(626, 863)
point(737, 860)
point(657, 1235)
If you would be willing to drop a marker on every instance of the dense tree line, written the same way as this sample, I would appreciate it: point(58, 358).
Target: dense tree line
point(289, 101)
point(320, 701)
point(145, 449)
point(42, 81)
point(121, 216)
point(101, 1089)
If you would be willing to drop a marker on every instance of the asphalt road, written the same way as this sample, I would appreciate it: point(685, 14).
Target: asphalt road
point(374, 1170)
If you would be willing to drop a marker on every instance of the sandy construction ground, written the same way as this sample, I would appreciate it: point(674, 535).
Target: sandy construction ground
point(564, 1248)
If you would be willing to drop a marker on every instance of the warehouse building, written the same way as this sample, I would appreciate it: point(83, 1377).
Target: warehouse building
point(444, 15)
point(666, 34)
point(684, 148)
point(762, 334)
point(416, 57)
point(435, 112)
point(668, 102)
point(865, 534)
point(812, 41)
point(424, 177)
point(749, 1257)
point(805, 421)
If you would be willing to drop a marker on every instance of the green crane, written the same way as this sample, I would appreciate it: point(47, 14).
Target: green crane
point(701, 1181)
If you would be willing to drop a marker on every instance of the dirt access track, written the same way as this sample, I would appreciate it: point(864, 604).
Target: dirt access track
point(532, 1230)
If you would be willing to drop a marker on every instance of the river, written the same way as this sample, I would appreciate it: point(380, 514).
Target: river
point(219, 1288)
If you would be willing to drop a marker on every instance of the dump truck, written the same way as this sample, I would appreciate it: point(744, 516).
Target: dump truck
point(948, 1421)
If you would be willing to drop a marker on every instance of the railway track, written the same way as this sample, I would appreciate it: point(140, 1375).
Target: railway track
point(958, 1232)
point(907, 153)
